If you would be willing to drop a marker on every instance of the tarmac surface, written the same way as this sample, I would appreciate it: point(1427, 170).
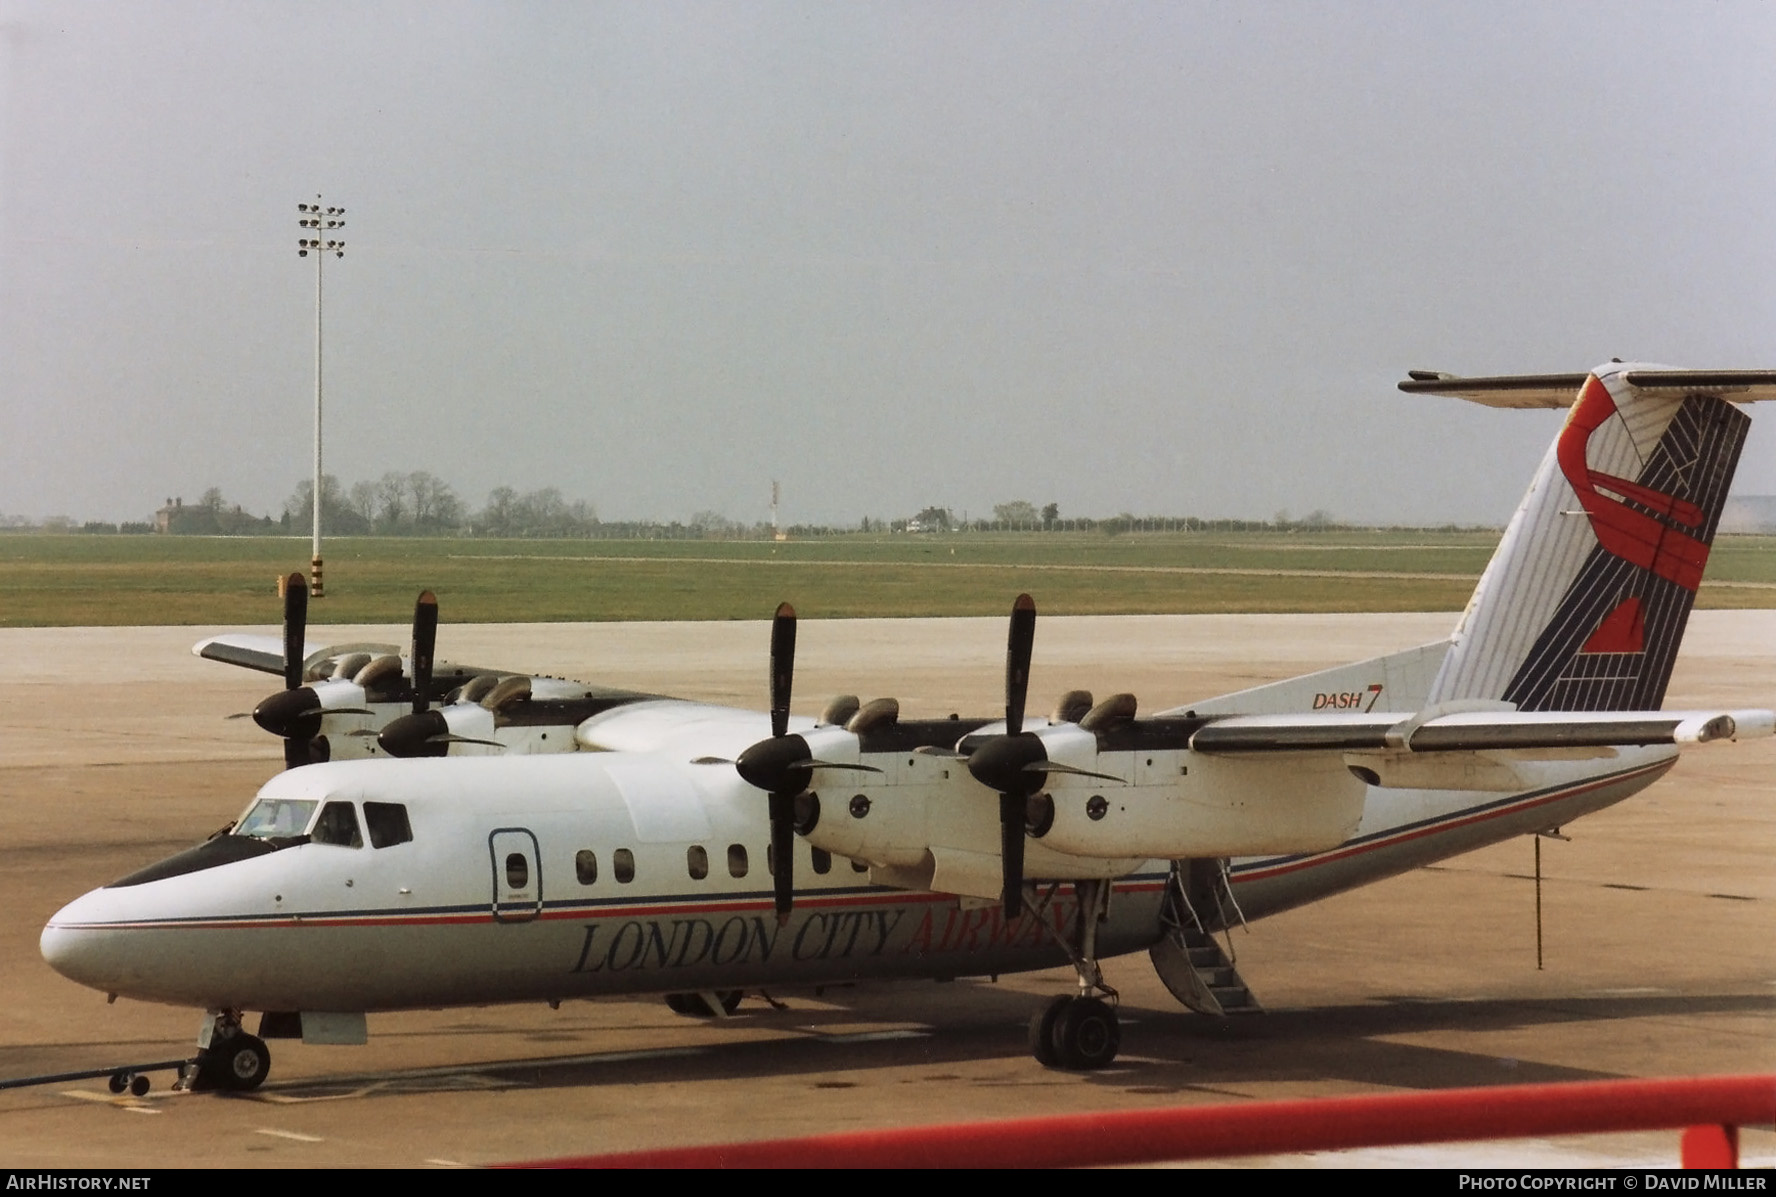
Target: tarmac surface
point(1658, 922)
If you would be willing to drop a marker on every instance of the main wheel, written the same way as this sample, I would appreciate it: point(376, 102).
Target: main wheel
point(1042, 1031)
point(235, 1064)
point(1087, 1034)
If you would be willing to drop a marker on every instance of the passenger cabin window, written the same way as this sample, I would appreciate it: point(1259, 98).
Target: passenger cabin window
point(276, 817)
point(586, 866)
point(822, 860)
point(387, 823)
point(623, 865)
point(736, 860)
point(517, 871)
point(697, 861)
point(338, 824)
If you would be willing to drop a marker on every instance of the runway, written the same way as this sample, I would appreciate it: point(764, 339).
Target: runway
point(1659, 919)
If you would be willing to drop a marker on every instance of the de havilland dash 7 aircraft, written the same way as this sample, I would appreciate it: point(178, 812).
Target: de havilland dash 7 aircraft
point(596, 842)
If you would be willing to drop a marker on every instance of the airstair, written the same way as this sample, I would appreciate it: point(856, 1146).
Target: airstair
point(1190, 961)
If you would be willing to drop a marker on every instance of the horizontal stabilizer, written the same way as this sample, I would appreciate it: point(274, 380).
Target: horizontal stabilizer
point(1472, 731)
point(1561, 390)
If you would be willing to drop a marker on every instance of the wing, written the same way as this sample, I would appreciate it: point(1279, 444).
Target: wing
point(1481, 750)
point(266, 653)
point(1476, 731)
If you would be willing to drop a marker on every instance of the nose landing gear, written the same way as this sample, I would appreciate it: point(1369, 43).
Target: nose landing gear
point(229, 1060)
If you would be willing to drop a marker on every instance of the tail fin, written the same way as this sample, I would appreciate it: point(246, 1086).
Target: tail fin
point(1584, 603)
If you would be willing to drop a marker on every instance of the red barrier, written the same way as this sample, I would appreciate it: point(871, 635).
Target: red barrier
point(1714, 1107)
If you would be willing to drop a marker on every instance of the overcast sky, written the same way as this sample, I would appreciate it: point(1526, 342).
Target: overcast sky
point(1158, 258)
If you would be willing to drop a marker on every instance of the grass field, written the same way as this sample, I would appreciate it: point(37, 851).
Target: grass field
point(110, 580)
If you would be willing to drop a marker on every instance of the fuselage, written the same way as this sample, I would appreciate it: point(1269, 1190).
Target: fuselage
point(390, 884)
point(546, 883)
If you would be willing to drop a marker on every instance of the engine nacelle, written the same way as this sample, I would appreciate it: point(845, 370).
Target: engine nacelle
point(1208, 805)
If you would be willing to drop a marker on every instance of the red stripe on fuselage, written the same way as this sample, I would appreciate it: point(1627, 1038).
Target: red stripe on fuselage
point(741, 906)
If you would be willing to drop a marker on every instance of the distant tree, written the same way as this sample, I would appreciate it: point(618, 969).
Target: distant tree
point(434, 506)
point(337, 516)
point(714, 523)
point(1051, 515)
point(496, 519)
point(362, 502)
point(1018, 511)
point(391, 503)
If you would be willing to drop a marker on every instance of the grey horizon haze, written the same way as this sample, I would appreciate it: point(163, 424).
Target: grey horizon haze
point(1157, 258)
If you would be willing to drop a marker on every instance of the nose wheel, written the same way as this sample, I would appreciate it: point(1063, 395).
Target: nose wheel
point(233, 1061)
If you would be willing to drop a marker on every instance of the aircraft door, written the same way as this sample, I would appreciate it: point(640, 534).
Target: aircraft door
point(517, 875)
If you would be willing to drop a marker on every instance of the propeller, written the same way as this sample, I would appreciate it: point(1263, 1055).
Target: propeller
point(1004, 762)
point(425, 732)
point(782, 765)
point(294, 713)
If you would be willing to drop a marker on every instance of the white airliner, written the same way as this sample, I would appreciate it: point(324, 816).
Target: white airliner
point(604, 842)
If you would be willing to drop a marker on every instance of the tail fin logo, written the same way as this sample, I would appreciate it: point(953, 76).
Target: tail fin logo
point(1649, 538)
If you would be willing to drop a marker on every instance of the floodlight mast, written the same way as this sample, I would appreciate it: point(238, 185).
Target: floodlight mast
point(319, 221)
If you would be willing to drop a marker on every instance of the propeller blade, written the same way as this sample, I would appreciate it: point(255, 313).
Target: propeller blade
point(783, 635)
point(1018, 647)
point(782, 808)
point(1012, 817)
point(425, 642)
point(295, 628)
point(1057, 767)
point(820, 764)
point(455, 739)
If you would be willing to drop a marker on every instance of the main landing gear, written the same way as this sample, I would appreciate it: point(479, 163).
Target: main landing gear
point(228, 1060)
point(1079, 1032)
point(704, 1004)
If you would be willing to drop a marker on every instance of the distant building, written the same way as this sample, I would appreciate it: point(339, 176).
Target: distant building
point(1749, 513)
point(163, 519)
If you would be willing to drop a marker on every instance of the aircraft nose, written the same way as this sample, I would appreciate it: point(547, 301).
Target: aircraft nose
point(75, 946)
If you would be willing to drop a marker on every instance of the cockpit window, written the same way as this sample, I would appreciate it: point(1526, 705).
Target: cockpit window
point(338, 824)
point(387, 822)
point(277, 817)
